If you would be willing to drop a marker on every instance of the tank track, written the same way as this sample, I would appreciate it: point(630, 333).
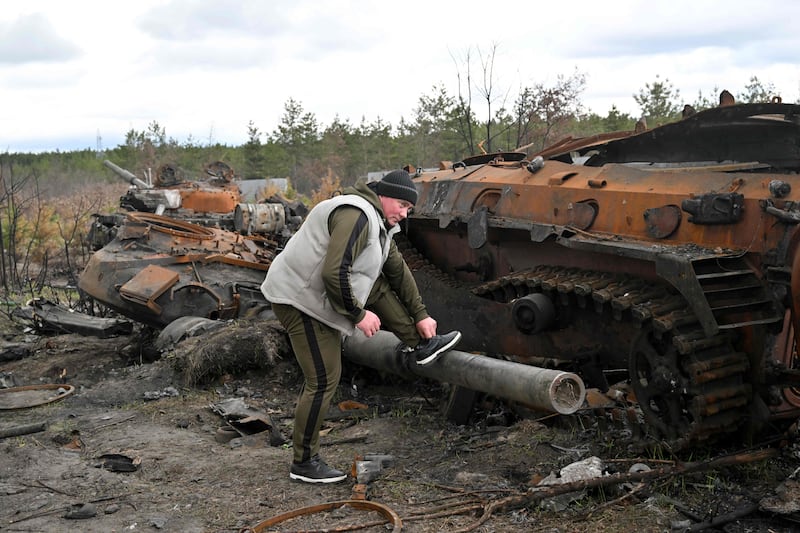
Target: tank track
point(689, 387)
point(418, 262)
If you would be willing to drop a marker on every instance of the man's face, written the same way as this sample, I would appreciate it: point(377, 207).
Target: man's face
point(395, 210)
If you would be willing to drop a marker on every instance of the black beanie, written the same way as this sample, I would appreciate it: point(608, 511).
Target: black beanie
point(397, 184)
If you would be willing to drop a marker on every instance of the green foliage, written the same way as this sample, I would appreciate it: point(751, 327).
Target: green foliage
point(658, 102)
point(434, 134)
point(706, 102)
point(298, 135)
point(757, 92)
point(618, 121)
point(253, 155)
point(593, 124)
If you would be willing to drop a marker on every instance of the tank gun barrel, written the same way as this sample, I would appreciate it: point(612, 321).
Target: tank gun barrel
point(540, 388)
point(126, 175)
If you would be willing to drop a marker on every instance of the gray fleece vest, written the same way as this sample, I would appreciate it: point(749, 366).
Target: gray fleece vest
point(295, 277)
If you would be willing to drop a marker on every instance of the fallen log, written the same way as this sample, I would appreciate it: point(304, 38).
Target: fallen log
point(539, 493)
point(27, 429)
point(721, 520)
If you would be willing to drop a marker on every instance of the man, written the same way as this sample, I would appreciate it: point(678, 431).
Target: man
point(340, 272)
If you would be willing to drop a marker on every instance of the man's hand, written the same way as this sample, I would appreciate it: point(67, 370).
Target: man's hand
point(426, 328)
point(370, 324)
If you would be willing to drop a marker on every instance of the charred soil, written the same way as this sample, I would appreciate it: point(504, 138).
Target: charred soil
point(138, 447)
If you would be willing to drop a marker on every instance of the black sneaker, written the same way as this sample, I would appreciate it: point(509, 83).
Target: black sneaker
point(316, 471)
point(429, 349)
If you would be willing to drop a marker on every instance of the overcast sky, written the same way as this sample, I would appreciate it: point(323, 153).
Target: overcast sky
point(75, 70)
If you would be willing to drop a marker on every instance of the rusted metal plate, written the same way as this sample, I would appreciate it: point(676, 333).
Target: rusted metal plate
point(33, 395)
point(150, 283)
point(582, 214)
point(214, 201)
point(133, 230)
point(764, 132)
point(662, 221)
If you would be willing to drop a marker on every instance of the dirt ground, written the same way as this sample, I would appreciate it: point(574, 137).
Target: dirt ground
point(130, 414)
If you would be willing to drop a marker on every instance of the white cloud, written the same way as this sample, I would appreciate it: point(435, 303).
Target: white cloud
point(32, 38)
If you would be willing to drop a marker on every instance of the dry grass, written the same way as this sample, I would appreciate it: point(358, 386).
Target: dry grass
point(243, 345)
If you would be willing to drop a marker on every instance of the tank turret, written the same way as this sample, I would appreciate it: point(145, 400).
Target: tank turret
point(215, 201)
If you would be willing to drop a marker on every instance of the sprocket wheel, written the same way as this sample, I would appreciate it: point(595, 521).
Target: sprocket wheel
point(659, 385)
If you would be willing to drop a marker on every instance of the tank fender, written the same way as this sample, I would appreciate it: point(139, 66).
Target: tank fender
point(678, 271)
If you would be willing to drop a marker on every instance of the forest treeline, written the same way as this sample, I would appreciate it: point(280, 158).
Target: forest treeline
point(47, 199)
point(442, 127)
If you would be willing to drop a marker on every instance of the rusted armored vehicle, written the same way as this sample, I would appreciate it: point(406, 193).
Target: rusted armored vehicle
point(186, 248)
point(668, 257)
point(158, 269)
point(215, 201)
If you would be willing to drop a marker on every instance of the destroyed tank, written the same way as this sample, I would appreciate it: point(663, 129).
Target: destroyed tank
point(186, 248)
point(666, 258)
point(213, 202)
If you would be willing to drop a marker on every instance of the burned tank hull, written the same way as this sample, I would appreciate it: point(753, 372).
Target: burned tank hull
point(158, 269)
point(185, 248)
point(668, 258)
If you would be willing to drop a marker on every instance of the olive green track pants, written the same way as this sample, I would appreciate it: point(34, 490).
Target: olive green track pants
point(318, 350)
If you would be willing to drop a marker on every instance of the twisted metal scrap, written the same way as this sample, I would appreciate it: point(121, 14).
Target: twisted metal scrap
point(364, 505)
